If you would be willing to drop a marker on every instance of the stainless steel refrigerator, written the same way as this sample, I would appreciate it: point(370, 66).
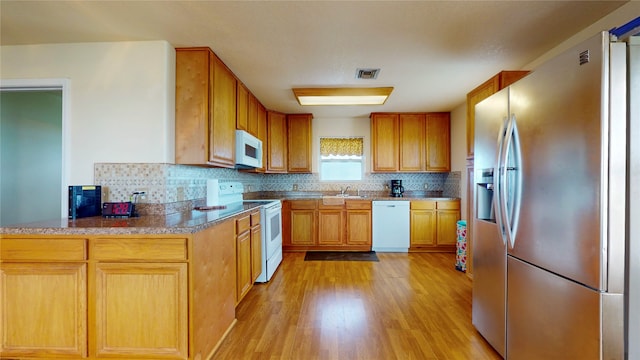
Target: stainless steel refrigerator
point(550, 224)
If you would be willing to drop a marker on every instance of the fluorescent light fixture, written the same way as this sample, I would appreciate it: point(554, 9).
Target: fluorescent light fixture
point(342, 96)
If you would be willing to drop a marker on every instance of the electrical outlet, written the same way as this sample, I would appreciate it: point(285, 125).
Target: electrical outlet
point(180, 194)
point(140, 195)
point(295, 187)
point(426, 186)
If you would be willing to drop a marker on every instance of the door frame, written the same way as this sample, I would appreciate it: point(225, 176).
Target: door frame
point(51, 84)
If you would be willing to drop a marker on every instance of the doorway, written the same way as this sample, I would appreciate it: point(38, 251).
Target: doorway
point(32, 174)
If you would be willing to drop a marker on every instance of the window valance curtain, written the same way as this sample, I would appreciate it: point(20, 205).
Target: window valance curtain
point(341, 146)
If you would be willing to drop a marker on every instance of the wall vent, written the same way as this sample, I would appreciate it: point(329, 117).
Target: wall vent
point(367, 73)
point(584, 57)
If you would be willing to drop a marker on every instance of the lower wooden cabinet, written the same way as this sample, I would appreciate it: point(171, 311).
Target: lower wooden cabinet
point(121, 296)
point(433, 225)
point(51, 295)
point(256, 246)
point(331, 226)
point(423, 224)
point(311, 225)
point(248, 253)
point(142, 308)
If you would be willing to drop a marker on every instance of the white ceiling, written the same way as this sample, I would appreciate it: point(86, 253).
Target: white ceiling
point(432, 52)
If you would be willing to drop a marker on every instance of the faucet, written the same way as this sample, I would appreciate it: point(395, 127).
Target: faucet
point(343, 191)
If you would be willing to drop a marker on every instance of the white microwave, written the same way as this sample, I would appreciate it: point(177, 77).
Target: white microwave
point(248, 150)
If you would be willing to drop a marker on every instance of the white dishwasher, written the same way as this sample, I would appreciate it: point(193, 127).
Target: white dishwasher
point(390, 226)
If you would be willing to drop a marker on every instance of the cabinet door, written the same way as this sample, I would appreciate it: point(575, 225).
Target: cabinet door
point(243, 265)
point(384, 142)
point(44, 310)
point(438, 142)
point(483, 91)
point(192, 105)
point(412, 142)
point(447, 226)
point(302, 227)
point(222, 135)
point(242, 107)
point(141, 308)
point(262, 134)
point(256, 252)
point(423, 228)
point(358, 227)
point(330, 227)
point(299, 143)
point(252, 116)
point(277, 142)
point(476, 95)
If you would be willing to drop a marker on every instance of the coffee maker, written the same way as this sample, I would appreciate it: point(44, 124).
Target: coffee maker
point(396, 188)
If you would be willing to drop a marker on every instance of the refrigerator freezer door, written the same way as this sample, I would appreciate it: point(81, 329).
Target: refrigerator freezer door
point(489, 284)
point(489, 243)
point(563, 164)
point(550, 317)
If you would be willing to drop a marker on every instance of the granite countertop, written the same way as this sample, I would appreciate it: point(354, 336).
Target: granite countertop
point(188, 221)
point(370, 195)
point(185, 222)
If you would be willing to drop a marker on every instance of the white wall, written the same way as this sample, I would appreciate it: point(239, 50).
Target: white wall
point(621, 16)
point(459, 151)
point(121, 95)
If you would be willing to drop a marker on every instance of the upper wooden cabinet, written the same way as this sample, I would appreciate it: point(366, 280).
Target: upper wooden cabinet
point(299, 143)
point(486, 89)
point(242, 107)
point(246, 110)
point(252, 116)
point(276, 142)
point(385, 135)
point(205, 109)
point(262, 133)
point(438, 142)
point(410, 142)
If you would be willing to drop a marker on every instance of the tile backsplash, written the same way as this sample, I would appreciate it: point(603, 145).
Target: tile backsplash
point(169, 183)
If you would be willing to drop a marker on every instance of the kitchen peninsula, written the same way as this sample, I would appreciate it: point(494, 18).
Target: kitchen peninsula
point(148, 287)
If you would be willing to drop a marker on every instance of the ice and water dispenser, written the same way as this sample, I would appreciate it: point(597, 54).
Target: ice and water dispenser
point(484, 200)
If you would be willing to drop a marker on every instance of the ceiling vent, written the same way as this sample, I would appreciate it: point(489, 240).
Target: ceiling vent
point(367, 73)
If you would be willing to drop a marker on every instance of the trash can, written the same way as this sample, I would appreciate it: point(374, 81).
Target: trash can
point(461, 246)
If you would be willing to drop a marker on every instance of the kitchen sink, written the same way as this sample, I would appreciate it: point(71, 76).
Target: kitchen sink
point(338, 199)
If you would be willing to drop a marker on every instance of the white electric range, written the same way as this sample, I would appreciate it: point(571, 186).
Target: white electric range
point(229, 194)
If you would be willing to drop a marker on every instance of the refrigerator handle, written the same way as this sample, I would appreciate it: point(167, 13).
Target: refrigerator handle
point(497, 180)
point(511, 216)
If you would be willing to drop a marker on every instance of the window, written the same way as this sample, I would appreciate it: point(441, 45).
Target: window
point(341, 159)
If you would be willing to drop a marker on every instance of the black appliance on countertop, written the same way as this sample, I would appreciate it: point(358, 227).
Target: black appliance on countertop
point(85, 201)
point(396, 188)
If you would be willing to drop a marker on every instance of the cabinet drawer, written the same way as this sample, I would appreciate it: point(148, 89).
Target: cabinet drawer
point(166, 249)
point(358, 204)
point(448, 205)
point(329, 207)
point(43, 249)
point(255, 218)
point(243, 224)
point(423, 205)
point(303, 204)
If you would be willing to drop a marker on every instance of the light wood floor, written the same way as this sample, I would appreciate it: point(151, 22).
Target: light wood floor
point(406, 306)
